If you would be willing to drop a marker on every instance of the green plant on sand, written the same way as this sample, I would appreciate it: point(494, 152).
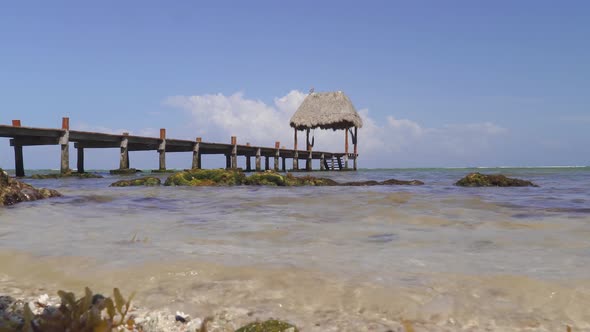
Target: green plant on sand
point(271, 325)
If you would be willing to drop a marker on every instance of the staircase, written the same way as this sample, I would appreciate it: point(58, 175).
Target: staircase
point(333, 163)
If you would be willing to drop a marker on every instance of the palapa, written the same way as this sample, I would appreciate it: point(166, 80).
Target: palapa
point(326, 110)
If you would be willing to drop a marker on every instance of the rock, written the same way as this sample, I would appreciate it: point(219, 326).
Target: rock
point(220, 177)
point(126, 171)
point(270, 325)
point(492, 180)
point(206, 177)
point(143, 181)
point(69, 174)
point(13, 191)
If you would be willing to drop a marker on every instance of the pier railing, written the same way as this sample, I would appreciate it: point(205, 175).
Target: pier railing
point(28, 136)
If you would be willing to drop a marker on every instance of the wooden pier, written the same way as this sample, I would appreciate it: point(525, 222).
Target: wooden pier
point(27, 136)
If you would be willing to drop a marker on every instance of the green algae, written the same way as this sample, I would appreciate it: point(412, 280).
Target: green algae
point(143, 181)
point(271, 325)
point(206, 177)
point(492, 180)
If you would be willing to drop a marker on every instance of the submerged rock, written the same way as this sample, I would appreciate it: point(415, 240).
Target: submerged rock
point(389, 182)
point(144, 181)
point(68, 174)
point(13, 191)
point(271, 325)
point(124, 171)
point(492, 180)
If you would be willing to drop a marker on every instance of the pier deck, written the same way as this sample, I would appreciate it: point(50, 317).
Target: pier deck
point(28, 136)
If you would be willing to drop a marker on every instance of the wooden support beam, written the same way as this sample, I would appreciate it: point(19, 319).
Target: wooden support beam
point(162, 149)
point(266, 163)
point(356, 140)
point(284, 166)
point(64, 142)
point(258, 169)
point(124, 158)
point(197, 154)
point(296, 155)
point(346, 148)
point(322, 162)
point(234, 152)
point(29, 141)
point(19, 164)
point(80, 163)
point(248, 163)
point(16, 123)
point(277, 155)
point(309, 154)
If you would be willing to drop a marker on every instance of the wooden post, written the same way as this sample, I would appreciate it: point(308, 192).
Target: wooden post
point(277, 155)
point(284, 168)
point(309, 154)
point(266, 163)
point(234, 152)
point(162, 149)
point(356, 140)
point(322, 162)
point(64, 142)
point(80, 165)
point(346, 148)
point(295, 154)
point(248, 163)
point(16, 123)
point(258, 160)
point(124, 158)
point(197, 154)
point(227, 161)
point(19, 164)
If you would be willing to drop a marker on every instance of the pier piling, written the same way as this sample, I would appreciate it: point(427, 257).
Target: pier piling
point(197, 154)
point(234, 152)
point(162, 149)
point(124, 159)
point(64, 142)
point(277, 155)
point(258, 169)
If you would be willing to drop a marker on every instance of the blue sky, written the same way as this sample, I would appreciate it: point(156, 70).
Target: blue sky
point(439, 83)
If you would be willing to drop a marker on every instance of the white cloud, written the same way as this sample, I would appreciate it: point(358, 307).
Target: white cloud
point(389, 143)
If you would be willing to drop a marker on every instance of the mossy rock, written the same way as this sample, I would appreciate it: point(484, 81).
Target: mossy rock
point(271, 325)
point(68, 174)
point(309, 181)
point(206, 177)
point(144, 181)
point(160, 171)
point(268, 178)
point(13, 191)
point(124, 171)
point(492, 180)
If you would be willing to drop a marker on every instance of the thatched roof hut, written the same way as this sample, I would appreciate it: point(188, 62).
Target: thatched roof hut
point(326, 110)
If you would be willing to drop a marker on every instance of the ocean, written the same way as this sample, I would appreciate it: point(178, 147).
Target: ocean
point(443, 257)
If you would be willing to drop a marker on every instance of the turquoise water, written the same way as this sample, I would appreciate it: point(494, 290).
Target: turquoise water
point(446, 257)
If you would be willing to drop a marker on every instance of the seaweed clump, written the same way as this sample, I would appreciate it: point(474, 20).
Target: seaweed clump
point(270, 178)
point(13, 191)
point(92, 312)
point(206, 177)
point(271, 325)
point(492, 180)
point(143, 181)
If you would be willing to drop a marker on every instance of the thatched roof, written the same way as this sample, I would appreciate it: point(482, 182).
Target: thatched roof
point(326, 110)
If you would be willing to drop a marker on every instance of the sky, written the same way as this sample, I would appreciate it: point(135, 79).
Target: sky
point(437, 83)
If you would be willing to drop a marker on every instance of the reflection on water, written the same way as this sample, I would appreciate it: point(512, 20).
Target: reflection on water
point(437, 254)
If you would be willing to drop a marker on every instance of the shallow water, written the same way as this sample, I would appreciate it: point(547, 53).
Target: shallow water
point(326, 258)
